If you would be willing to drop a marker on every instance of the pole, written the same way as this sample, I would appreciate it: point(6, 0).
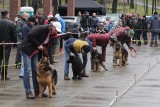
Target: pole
point(152, 6)
point(3, 4)
point(155, 5)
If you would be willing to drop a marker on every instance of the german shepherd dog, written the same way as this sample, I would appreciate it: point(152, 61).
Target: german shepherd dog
point(46, 76)
point(76, 67)
point(121, 54)
point(97, 60)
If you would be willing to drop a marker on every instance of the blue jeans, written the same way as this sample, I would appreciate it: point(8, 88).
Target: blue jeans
point(21, 71)
point(66, 65)
point(154, 36)
point(30, 64)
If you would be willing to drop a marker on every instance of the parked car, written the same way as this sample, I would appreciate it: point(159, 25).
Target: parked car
point(72, 25)
point(104, 20)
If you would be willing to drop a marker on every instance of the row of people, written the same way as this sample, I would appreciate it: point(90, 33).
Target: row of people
point(40, 36)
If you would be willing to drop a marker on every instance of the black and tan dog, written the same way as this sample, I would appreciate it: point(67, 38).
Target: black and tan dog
point(76, 67)
point(97, 61)
point(46, 76)
point(121, 54)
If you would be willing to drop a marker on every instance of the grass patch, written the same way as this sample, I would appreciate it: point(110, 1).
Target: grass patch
point(126, 9)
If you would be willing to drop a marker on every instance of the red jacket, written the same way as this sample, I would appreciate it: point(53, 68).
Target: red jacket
point(100, 40)
point(120, 33)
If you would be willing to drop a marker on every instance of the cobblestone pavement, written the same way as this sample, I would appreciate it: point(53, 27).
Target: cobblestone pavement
point(99, 90)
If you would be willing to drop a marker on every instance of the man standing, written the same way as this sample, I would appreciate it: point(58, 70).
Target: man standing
point(155, 29)
point(7, 35)
point(21, 21)
point(35, 41)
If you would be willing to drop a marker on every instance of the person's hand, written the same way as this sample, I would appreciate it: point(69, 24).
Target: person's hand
point(94, 48)
point(40, 47)
point(130, 48)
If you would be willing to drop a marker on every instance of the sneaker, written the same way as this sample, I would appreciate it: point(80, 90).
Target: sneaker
point(84, 75)
point(20, 77)
point(43, 94)
point(66, 77)
point(30, 95)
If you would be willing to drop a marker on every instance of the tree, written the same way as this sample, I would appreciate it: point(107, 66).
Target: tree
point(132, 4)
point(23, 3)
point(35, 5)
point(114, 6)
point(55, 6)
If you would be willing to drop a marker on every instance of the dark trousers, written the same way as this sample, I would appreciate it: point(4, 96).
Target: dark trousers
point(52, 51)
point(61, 42)
point(4, 60)
point(18, 56)
point(144, 35)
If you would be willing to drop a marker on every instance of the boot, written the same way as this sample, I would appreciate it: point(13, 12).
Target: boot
point(155, 45)
point(151, 43)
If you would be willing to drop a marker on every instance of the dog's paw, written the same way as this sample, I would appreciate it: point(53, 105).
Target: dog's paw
point(39, 96)
point(79, 78)
point(50, 96)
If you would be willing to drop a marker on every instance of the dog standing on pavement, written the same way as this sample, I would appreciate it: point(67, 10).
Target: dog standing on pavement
point(46, 76)
point(121, 54)
point(97, 60)
point(76, 67)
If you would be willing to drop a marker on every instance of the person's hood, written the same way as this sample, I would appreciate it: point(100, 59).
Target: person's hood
point(58, 16)
point(155, 16)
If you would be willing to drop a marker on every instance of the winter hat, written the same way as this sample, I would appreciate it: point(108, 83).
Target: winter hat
point(32, 19)
point(58, 26)
point(86, 48)
point(50, 15)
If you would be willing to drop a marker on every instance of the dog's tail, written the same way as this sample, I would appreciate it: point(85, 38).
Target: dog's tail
point(54, 75)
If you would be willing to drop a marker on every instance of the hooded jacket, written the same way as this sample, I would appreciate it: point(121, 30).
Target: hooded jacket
point(155, 24)
point(62, 22)
point(74, 45)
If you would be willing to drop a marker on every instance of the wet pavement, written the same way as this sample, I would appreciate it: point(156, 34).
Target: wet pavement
point(99, 90)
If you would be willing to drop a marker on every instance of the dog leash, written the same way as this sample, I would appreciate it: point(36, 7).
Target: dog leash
point(133, 50)
point(45, 52)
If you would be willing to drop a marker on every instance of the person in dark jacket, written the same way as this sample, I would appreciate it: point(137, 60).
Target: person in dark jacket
point(21, 21)
point(138, 31)
point(144, 29)
point(30, 46)
point(7, 35)
point(155, 29)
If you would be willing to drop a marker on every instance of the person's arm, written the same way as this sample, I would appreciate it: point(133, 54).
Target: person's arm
point(13, 33)
point(33, 35)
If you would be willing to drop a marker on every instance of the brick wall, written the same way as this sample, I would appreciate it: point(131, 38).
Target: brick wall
point(14, 8)
point(71, 8)
point(47, 6)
